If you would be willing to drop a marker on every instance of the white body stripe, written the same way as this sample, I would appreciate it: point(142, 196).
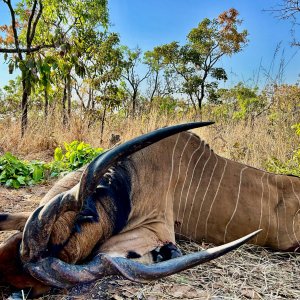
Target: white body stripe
point(185, 178)
point(204, 197)
point(236, 203)
point(193, 201)
point(214, 199)
point(191, 180)
point(171, 176)
point(261, 204)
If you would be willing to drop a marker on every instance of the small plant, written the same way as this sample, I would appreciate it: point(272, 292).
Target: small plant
point(16, 173)
point(75, 155)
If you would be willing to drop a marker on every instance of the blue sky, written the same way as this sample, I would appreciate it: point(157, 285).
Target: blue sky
point(148, 23)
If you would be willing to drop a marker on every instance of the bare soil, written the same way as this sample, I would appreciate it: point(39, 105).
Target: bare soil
point(248, 273)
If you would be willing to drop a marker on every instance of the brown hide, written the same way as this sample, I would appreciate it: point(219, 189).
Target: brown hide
point(179, 184)
point(15, 221)
point(180, 181)
point(63, 185)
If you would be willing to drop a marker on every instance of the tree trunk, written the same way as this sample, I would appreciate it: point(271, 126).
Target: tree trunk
point(202, 91)
point(154, 89)
point(64, 99)
point(24, 106)
point(92, 99)
point(200, 99)
point(102, 124)
point(46, 103)
point(134, 97)
point(69, 95)
point(89, 98)
point(193, 103)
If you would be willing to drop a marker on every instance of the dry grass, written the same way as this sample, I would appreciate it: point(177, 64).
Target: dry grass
point(252, 144)
point(43, 135)
point(249, 143)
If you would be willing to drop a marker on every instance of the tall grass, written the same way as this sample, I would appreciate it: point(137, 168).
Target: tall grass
point(251, 143)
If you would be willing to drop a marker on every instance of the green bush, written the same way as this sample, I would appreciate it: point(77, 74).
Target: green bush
point(16, 173)
point(73, 156)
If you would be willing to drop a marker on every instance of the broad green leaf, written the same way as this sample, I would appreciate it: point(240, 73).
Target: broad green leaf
point(58, 154)
point(21, 180)
point(9, 183)
point(38, 173)
point(72, 157)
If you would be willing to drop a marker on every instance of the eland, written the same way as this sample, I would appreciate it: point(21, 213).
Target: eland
point(129, 203)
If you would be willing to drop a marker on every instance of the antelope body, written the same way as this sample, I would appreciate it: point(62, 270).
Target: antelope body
point(133, 206)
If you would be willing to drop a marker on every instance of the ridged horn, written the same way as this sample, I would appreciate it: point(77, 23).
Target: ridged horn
point(57, 273)
point(99, 166)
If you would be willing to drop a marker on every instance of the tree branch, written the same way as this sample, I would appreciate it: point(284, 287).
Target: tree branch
point(30, 22)
point(26, 50)
point(35, 23)
point(13, 23)
point(286, 10)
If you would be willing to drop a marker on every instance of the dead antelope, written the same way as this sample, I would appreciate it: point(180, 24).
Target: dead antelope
point(132, 200)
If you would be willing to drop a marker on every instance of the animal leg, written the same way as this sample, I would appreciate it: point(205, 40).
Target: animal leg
point(14, 221)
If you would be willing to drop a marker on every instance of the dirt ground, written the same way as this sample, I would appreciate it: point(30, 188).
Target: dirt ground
point(248, 273)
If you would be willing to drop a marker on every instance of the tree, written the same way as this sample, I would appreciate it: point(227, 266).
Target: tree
point(195, 62)
point(103, 70)
point(161, 83)
point(37, 26)
point(132, 61)
point(22, 57)
point(10, 97)
point(103, 66)
point(246, 101)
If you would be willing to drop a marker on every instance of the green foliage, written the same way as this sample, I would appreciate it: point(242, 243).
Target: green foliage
point(10, 97)
point(220, 112)
point(16, 173)
point(291, 166)
point(247, 101)
point(74, 155)
point(238, 103)
point(165, 105)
